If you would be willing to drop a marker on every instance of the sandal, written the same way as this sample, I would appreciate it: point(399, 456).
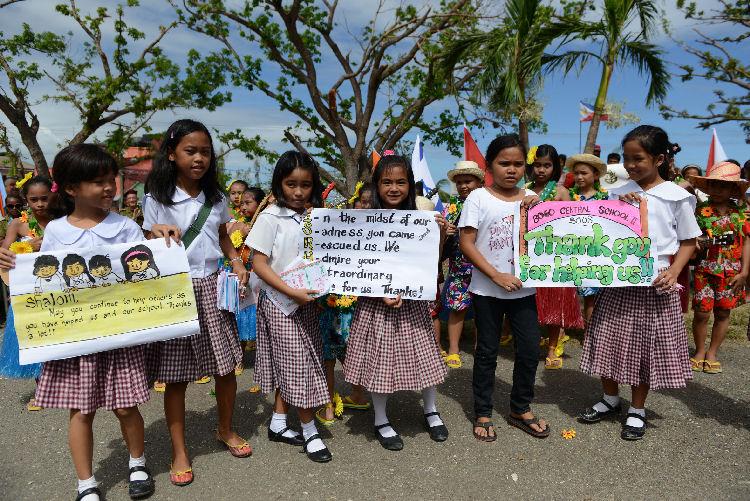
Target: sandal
point(525, 425)
point(90, 490)
point(486, 426)
point(159, 386)
point(181, 478)
point(32, 406)
point(250, 346)
point(239, 369)
point(712, 368)
point(322, 420)
point(443, 354)
point(506, 339)
point(453, 361)
point(697, 365)
point(239, 451)
point(550, 363)
point(203, 380)
point(351, 404)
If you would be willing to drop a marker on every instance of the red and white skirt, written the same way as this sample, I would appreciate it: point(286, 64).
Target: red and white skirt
point(114, 379)
point(289, 354)
point(393, 349)
point(559, 306)
point(636, 337)
point(215, 350)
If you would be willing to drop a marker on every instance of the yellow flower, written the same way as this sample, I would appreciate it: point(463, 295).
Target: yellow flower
point(21, 247)
point(568, 434)
point(452, 209)
point(237, 239)
point(577, 197)
point(531, 157)
point(338, 405)
point(23, 181)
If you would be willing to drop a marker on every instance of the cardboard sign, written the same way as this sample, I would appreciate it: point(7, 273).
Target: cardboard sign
point(584, 244)
point(375, 253)
point(81, 301)
point(311, 276)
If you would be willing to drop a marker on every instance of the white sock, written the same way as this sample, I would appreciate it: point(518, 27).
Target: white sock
point(635, 421)
point(137, 475)
point(308, 430)
point(379, 403)
point(87, 484)
point(428, 396)
point(278, 423)
point(612, 400)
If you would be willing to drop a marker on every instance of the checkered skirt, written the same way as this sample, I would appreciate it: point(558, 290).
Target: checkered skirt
point(636, 337)
point(114, 379)
point(393, 349)
point(289, 354)
point(215, 350)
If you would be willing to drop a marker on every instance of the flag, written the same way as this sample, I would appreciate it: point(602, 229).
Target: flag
point(716, 152)
point(422, 173)
point(3, 195)
point(587, 112)
point(471, 152)
point(375, 158)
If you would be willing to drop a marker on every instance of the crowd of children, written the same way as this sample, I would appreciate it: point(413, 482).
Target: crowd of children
point(385, 344)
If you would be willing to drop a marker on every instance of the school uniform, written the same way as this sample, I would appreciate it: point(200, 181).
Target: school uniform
point(216, 348)
point(289, 349)
point(114, 379)
point(637, 335)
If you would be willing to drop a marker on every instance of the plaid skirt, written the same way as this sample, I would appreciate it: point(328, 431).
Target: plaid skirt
point(289, 355)
point(393, 349)
point(215, 350)
point(636, 337)
point(114, 379)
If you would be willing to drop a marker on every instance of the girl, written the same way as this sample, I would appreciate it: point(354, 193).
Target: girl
point(587, 169)
point(289, 356)
point(722, 271)
point(637, 334)
point(76, 272)
point(138, 264)
point(29, 228)
point(392, 343)
point(115, 379)
point(184, 202)
point(467, 177)
point(487, 242)
point(236, 188)
point(557, 307)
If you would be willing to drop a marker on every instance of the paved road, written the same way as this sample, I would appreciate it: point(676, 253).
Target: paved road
point(696, 446)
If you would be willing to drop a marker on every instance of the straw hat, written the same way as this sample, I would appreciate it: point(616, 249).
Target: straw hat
point(466, 167)
point(721, 171)
point(588, 159)
point(424, 203)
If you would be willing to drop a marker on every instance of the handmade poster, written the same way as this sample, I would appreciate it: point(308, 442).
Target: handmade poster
point(376, 253)
point(81, 301)
point(600, 243)
point(312, 276)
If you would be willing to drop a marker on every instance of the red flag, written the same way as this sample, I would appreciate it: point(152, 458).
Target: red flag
point(471, 152)
point(716, 152)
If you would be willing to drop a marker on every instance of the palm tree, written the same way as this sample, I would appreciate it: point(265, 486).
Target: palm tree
point(621, 43)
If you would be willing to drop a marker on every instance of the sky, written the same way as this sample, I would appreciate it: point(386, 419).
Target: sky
point(254, 113)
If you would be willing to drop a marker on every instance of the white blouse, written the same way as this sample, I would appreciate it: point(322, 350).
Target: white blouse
point(276, 233)
point(114, 229)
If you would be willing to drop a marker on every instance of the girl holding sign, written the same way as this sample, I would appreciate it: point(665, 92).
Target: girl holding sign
point(487, 241)
point(289, 357)
point(185, 203)
point(392, 343)
point(637, 334)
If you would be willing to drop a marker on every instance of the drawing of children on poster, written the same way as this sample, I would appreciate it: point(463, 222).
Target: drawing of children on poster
point(75, 272)
point(138, 263)
point(47, 271)
point(101, 269)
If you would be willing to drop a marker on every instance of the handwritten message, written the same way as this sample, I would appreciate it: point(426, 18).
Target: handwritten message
point(584, 244)
point(376, 253)
point(81, 301)
point(311, 276)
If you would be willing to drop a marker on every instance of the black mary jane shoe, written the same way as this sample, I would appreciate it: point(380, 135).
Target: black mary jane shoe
point(279, 437)
point(393, 443)
point(139, 489)
point(90, 490)
point(321, 456)
point(437, 433)
point(592, 415)
point(634, 432)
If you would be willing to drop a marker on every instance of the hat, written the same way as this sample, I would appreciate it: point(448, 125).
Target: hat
point(615, 177)
point(424, 203)
point(588, 159)
point(727, 172)
point(466, 167)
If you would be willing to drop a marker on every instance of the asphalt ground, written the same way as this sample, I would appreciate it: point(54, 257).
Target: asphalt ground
point(697, 445)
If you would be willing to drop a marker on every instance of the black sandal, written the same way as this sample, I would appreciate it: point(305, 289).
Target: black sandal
point(525, 425)
point(486, 426)
point(393, 443)
point(634, 432)
point(321, 456)
point(90, 490)
point(139, 489)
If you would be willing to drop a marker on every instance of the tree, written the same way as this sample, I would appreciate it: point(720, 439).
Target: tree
point(623, 35)
point(379, 87)
point(719, 59)
point(100, 78)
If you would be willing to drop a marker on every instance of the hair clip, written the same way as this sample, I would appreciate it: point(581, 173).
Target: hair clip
point(387, 153)
point(54, 187)
point(171, 135)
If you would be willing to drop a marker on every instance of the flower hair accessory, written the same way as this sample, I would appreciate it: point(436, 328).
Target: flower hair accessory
point(23, 181)
point(356, 192)
point(531, 156)
point(388, 153)
point(54, 187)
point(231, 183)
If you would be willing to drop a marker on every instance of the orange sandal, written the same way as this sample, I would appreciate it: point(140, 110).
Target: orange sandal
point(181, 478)
point(239, 451)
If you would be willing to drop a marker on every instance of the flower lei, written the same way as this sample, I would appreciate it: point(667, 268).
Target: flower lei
point(707, 216)
point(341, 303)
point(34, 229)
point(550, 190)
point(601, 193)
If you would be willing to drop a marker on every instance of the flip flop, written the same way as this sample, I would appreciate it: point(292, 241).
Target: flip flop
point(239, 451)
point(181, 478)
point(486, 426)
point(549, 361)
point(697, 365)
point(321, 419)
point(524, 424)
point(453, 361)
point(712, 368)
point(350, 404)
